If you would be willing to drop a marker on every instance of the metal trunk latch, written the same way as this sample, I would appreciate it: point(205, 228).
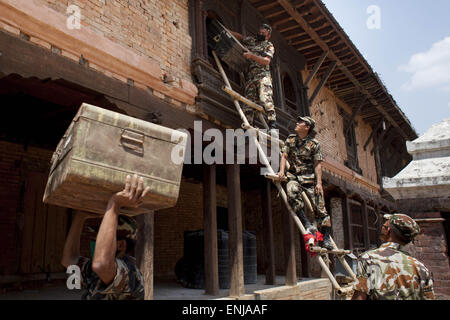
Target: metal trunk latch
point(132, 140)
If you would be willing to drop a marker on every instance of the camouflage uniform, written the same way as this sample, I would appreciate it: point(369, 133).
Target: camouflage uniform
point(258, 79)
point(301, 156)
point(128, 284)
point(390, 273)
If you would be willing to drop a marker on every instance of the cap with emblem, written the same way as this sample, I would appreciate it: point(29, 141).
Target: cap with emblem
point(406, 225)
point(267, 27)
point(308, 120)
point(126, 227)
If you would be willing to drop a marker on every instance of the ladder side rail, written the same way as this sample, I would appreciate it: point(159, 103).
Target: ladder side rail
point(277, 183)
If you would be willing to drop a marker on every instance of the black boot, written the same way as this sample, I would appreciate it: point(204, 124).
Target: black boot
point(326, 238)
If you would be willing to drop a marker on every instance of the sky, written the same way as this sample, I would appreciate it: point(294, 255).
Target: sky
point(407, 42)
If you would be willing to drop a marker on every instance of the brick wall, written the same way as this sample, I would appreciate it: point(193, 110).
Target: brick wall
point(337, 218)
point(15, 162)
point(330, 131)
point(156, 29)
point(170, 225)
point(431, 248)
point(187, 215)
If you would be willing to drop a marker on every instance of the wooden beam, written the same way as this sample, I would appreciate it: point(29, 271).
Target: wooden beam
point(373, 133)
point(322, 82)
point(379, 167)
point(289, 248)
point(235, 228)
point(315, 36)
point(355, 112)
point(394, 104)
point(145, 250)
point(29, 60)
point(210, 227)
point(268, 237)
point(380, 139)
point(316, 68)
point(365, 224)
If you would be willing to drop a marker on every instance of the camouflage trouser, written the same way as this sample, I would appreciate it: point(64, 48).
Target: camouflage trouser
point(294, 193)
point(260, 91)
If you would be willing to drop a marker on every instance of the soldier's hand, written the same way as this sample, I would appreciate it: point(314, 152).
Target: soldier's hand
point(133, 194)
point(281, 175)
point(318, 189)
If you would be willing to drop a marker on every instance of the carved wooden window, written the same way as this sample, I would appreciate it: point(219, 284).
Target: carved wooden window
point(373, 221)
point(357, 226)
point(350, 142)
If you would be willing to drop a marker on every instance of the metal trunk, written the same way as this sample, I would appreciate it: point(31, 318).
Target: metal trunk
point(98, 151)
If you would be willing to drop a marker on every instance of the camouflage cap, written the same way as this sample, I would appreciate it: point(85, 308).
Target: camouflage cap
point(126, 227)
point(404, 224)
point(308, 120)
point(267, 27)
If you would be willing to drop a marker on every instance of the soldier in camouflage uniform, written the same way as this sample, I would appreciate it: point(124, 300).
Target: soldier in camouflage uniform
point(389, 272)
point(258, 79)
point(112, 274)
point(303, 153)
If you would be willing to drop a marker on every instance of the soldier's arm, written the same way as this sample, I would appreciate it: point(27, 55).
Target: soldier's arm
point(361, 284)
point(265, 61)
point(237, 35)
point(428, 291)
point(318, 174)
point(104, 263)
point(265, 58)
point(283, 165)
point(71, 251)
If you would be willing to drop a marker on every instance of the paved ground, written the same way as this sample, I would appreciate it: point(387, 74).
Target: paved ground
point(164, 290)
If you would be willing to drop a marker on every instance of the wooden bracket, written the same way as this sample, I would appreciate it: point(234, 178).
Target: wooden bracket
point(316, 68)
point(322, 82)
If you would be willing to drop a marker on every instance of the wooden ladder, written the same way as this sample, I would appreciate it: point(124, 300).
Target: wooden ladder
point(321, 252)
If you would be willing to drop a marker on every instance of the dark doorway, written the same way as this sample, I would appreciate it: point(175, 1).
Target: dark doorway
point(222, 218)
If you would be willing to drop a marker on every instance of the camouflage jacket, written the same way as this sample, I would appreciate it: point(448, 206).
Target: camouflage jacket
point(301, 156)
point(263, 49)
point(128, 283)
point(390, 273)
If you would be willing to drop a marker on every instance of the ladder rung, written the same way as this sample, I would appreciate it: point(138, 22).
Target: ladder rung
point(267, 136)
point(275, 177)
point(336, 251)
point(237, 96)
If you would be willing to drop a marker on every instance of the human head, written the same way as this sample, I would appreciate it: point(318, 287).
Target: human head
point(399, 228)
point(266, 31)
point(305, 125)
point(126, 235)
